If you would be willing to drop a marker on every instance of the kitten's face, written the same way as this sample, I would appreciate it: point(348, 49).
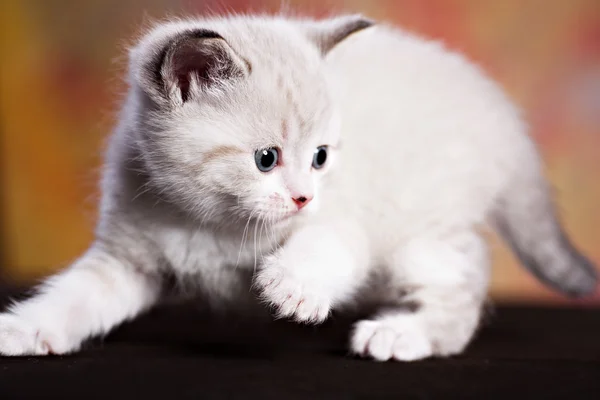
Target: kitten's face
point(253, 147)
point(258, 150)
point(237, 121)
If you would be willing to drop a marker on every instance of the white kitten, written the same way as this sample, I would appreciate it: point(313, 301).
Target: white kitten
point(349, 161)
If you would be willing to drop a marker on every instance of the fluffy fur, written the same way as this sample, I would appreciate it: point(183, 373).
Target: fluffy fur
point(424, 152)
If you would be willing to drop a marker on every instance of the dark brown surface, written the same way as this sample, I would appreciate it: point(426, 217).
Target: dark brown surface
point(182, 353)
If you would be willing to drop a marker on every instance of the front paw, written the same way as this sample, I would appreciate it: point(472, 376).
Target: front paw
point(20, 338)
point(290, 298)
point(17, 338)
point(401, 338)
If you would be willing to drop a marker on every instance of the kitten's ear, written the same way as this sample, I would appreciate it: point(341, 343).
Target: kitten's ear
point(326, 34)
point(189, 63)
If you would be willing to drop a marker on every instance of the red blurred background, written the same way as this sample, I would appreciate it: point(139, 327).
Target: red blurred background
point(61, 87)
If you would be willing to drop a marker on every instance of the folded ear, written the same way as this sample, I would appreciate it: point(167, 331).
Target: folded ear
point(326, 34)
point(188, 64)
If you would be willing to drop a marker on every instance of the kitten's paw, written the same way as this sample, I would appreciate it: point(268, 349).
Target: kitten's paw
point(401, 338)
point(19, 338)
point(290, 298)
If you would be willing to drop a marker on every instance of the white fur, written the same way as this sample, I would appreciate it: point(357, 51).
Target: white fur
point(88, 299)
point(423, 148)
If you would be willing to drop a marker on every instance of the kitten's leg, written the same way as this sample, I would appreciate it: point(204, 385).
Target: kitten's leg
point(319, 267)
point(88, 299)
point(449, 280)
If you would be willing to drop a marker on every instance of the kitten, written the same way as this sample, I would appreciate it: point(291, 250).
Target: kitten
point(315, 156)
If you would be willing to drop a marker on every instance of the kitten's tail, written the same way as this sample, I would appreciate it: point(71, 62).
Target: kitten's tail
point(526, 218)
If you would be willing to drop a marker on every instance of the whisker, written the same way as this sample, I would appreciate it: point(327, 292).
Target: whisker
point(260, 247)
point(273, 239)
point(243, 241)
point(255, 228)
point(278, 245)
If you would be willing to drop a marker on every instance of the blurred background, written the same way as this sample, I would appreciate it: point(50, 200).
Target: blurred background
point(61, 87)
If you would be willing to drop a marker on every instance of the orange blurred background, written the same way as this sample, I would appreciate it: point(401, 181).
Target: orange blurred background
point(61, 86)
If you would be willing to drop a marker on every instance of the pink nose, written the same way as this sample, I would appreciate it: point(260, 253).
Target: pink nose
point(301, 201)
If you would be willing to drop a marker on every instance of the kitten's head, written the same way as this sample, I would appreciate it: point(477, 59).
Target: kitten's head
point(234, 116)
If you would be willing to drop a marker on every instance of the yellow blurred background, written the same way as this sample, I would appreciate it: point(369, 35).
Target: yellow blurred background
point(61, 86)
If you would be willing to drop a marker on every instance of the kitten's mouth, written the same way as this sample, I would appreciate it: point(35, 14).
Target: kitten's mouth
point(286, 216)
point(276, 217)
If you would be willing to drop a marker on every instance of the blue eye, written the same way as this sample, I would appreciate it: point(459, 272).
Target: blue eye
point(266, 159)
point(319, 157)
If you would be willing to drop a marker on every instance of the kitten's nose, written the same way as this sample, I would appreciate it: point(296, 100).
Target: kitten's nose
point(301, 201)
